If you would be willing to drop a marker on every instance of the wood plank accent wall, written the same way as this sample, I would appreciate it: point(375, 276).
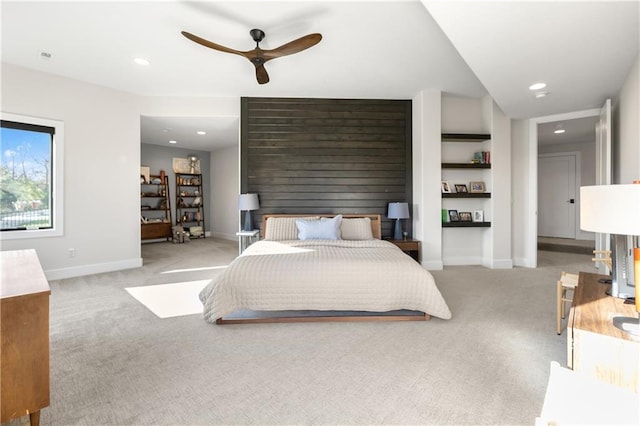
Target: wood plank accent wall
point(326, 155)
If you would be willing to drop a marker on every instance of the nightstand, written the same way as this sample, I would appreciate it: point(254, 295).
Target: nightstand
point(247, 238)
point(410, 247)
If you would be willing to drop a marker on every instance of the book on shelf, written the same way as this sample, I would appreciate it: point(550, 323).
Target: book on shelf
point(482, 157)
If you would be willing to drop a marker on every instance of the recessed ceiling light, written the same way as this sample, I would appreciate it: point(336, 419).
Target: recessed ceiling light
point(541, 94)
point(558, 131)
point(201, 132)
point(141, 61)
point(173, 141)
point(537, 86)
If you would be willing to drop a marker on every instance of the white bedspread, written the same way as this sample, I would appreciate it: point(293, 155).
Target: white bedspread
point(325, 275)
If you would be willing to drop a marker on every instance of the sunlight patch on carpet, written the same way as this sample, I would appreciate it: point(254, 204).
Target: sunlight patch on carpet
point(170, 300)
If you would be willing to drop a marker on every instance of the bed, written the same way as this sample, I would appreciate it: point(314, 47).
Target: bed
point(322, 268)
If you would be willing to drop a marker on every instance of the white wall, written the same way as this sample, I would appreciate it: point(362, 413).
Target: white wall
point(587, 150)
point(102, 165)
point(101, 162)
point(225, 164)
point(627, 129)
point(497, 251)
point(521, 208)
point(427, 200)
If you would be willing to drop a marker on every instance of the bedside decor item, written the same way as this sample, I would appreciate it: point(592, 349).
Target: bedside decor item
point(615, 210)
point(398, 211)
point(476, 187)
point(248, 202)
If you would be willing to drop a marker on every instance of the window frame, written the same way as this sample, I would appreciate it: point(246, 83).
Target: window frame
point(57, 179)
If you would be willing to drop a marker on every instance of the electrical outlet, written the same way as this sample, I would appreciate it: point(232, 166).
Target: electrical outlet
point(72, 252)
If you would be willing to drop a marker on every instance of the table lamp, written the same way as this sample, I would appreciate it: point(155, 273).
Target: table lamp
point(615, 210)
point(398, 211)
point(248, 202)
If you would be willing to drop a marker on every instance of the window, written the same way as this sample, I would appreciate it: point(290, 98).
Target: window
point(31, 177)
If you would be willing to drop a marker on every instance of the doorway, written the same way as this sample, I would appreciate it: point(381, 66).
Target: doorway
point(566, 161)
point(557, 195)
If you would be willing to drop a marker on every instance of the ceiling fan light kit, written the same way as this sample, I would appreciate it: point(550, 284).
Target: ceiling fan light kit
point(259, 56)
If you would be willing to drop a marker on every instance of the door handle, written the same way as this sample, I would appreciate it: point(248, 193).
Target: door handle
point(572, 201)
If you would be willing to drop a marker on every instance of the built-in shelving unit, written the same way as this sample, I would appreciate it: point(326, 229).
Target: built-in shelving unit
point(472, 145)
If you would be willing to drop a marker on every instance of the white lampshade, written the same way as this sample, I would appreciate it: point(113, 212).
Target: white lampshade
point(398, 211)
point(610, 209)
point(248, 202)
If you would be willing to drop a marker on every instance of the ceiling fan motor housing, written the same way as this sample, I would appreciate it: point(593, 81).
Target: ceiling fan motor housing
point(257, 35)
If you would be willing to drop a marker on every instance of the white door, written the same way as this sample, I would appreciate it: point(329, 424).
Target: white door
point(603, 165)
point(557, 196)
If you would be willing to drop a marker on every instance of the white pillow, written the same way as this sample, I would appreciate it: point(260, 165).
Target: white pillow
point(328, 229)
point(283, 228)
point(356, 229)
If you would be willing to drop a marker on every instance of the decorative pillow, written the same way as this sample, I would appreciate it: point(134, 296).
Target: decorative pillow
point(328, 229)
point(356, 229)
point(283, 228)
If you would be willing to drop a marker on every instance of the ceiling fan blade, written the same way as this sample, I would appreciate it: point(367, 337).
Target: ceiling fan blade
point(213, 45)
point(261, 74)
point(292, 47)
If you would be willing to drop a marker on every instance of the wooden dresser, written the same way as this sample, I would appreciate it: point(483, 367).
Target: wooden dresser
point(595, 346)
point(24, 326)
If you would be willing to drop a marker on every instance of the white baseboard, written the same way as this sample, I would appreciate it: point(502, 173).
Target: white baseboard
point(522, 261)
point(462, 260)
point(476, 260)
point(224, 236)
point(498, 263)
point(96, 268)
point(433, 265)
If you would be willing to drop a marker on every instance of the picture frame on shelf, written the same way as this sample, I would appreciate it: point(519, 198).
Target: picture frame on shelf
point(461, 188)
point(183, 165)
point(465, 216)
point(476, 187)
point(145, 174)
point(453, 216)
point(446, 188)
point(478, 216)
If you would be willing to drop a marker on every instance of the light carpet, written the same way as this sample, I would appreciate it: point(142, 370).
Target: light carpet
point(170, 300)
point(114, 362)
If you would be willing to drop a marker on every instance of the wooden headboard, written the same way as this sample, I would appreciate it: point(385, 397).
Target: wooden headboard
point(376, 221)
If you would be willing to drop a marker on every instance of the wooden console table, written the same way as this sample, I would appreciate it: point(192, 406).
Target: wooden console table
point(595, 346)
point(24, 315)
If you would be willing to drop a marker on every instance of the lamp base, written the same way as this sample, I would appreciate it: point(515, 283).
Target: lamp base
point(628, 325)
point(397, 234)
point(248, 226)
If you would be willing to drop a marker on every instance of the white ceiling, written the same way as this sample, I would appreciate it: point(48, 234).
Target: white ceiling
point(379, 49)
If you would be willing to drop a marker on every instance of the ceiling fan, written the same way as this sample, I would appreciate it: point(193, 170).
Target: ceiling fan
point(258, 56)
